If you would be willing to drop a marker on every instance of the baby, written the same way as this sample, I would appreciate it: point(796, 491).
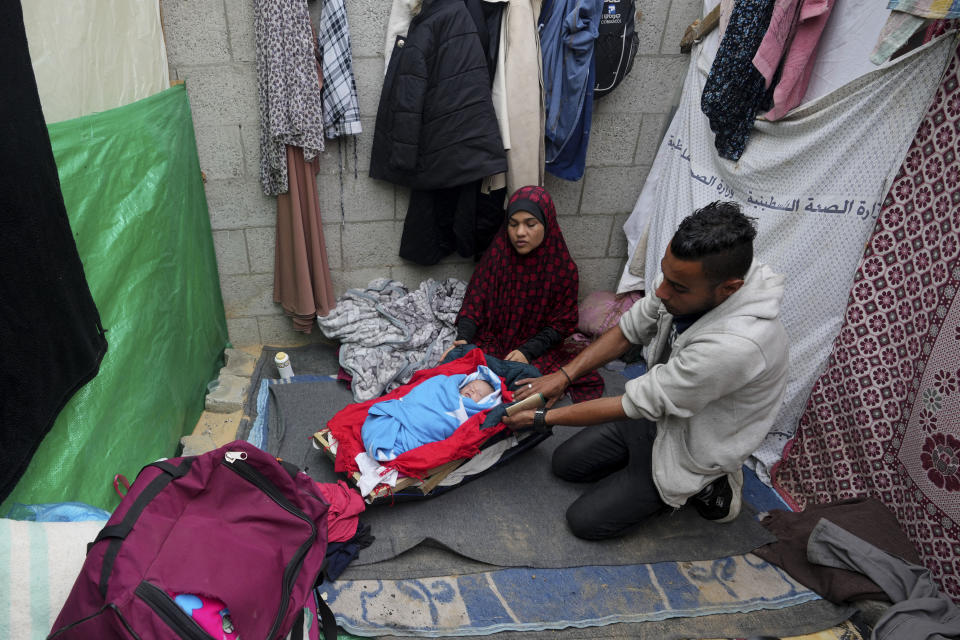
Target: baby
point(476, 390)
point(430, 412)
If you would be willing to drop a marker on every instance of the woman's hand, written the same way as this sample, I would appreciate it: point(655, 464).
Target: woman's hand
point(517, 356)
point(518, 421)
point(456, 343)
point(552, 387)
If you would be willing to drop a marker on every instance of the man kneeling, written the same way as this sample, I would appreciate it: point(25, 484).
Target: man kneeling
point(718, 360)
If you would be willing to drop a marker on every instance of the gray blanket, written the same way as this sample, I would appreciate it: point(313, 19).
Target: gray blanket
point(387, 332)
point(513, 516)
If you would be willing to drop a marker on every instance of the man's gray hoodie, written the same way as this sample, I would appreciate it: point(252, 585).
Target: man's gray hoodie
point(718, 393)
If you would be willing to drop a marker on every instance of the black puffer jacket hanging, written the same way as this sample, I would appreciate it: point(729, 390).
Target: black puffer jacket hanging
point(436, 126)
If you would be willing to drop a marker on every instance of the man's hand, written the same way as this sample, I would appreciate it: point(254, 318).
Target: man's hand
point(586, 413)
point(516, 356)
point(518, 421)
point(552, 387)
point(456, 343)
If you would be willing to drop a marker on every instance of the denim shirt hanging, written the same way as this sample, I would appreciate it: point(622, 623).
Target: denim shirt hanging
point(568, 30)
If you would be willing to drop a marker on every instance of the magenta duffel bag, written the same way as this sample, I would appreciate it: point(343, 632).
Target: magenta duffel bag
point(233, 536)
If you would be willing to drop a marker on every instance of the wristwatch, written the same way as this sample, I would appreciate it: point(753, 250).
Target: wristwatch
point(540, 421)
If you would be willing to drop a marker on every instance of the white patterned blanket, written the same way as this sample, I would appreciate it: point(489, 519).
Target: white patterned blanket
point(388, 332)
point(814, 181)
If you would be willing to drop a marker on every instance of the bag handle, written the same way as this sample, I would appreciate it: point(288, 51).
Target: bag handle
point(327, 618)
point(121, 479)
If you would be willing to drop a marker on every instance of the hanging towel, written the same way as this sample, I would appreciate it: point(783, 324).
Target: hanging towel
point(927, 8)
point(899, 28)
point(790, 44)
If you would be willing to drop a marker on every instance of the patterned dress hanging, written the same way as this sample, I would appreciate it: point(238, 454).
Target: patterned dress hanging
point(883, 420)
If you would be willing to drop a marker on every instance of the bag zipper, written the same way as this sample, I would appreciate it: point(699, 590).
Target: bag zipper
point(170, 612)
point(236, 462)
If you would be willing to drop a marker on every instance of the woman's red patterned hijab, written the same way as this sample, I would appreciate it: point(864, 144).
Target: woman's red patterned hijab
point(512, 297)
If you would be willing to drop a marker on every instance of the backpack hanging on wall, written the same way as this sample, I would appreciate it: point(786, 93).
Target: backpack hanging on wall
point(616, 45)
point(233, 535)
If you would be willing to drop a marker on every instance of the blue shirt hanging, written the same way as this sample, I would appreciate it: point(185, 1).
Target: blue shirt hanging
point(572, 160)
point(568, 31)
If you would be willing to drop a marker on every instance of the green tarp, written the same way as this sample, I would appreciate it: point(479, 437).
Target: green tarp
point(134, 195)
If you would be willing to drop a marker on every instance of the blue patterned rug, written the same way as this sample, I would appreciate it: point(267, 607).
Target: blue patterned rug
point(542, 599)
point(516, 599)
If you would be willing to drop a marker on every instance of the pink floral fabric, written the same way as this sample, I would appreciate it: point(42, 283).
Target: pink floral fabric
point(883, 419)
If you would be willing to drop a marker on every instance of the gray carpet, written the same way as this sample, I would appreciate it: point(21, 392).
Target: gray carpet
point(431, 558)
point(510, 517)
point(514, 517)
point(316, 359)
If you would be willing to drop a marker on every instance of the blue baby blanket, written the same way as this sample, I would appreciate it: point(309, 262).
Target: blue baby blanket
point(431, 412)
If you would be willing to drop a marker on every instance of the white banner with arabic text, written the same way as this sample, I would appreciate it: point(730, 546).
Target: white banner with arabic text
point(814, 181)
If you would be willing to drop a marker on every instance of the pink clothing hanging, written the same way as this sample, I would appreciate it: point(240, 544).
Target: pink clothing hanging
point(792, 37)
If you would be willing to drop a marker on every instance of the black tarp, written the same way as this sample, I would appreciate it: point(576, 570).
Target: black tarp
point(50, 335)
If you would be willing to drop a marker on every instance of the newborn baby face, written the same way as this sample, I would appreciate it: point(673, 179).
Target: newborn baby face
point(476, 390)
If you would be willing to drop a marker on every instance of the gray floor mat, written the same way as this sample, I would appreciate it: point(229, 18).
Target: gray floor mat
point(511, 517)
point(319, 359)
point(515, 517)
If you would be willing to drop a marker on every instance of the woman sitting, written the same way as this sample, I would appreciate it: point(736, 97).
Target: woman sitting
point(521, 303)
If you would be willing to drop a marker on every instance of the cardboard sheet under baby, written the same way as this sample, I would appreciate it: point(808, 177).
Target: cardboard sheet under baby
point(432, 411)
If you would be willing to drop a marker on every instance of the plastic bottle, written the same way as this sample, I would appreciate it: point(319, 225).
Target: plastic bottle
point(282, 360)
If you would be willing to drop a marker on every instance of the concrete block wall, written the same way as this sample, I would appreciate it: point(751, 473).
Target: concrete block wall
point(210, 45)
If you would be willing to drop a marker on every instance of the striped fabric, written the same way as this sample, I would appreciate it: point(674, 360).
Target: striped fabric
point(927, 8)
point(39, 562)
point(341, 113)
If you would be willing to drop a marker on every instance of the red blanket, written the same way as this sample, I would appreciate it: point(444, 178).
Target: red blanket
point(464, 443)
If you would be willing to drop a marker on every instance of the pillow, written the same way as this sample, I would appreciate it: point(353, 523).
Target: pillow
point(601, 310)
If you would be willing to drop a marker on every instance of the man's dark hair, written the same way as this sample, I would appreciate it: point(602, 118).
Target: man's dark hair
point(720, 237)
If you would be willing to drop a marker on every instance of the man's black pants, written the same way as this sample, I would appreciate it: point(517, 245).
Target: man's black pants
point(618, 458)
